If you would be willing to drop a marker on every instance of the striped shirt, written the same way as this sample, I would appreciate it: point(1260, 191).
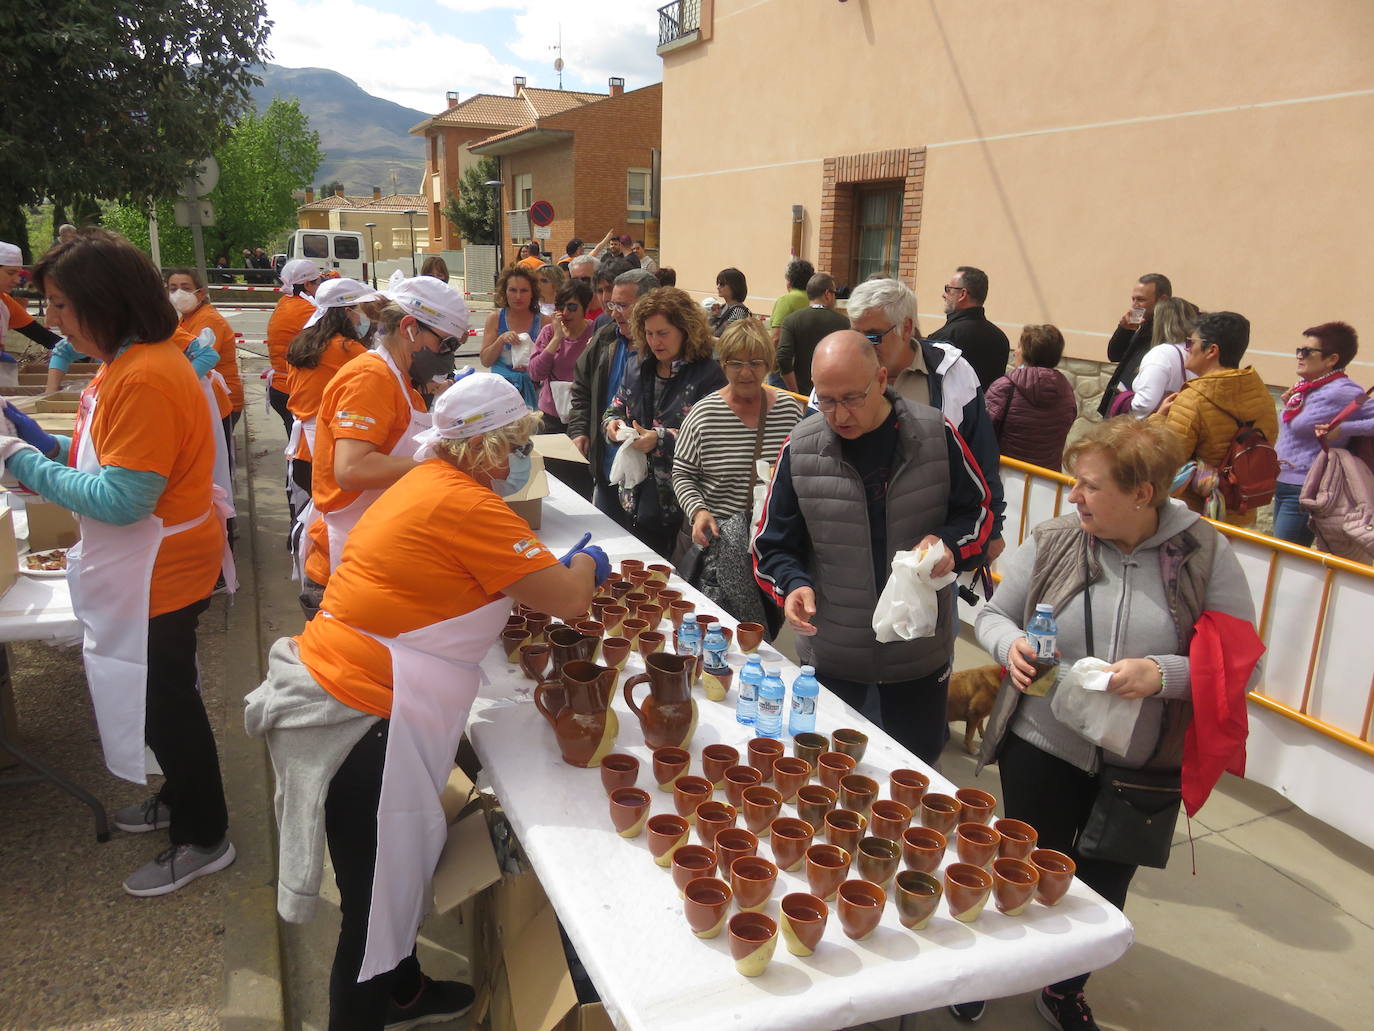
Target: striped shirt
point(711, 461)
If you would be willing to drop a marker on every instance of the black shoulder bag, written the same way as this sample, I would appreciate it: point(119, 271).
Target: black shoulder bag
point(1133, 816)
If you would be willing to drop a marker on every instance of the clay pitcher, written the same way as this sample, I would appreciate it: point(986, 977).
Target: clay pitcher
point(669, 714)
point(568, 643)
point(586, 725)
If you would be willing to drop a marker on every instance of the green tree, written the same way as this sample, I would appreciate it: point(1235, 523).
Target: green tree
point(474, 209)
point(331, 187)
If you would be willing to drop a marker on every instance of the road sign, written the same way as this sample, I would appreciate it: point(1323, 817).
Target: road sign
point(184, 212)
point(543, 232)
point(541, 213)
point(204, 177)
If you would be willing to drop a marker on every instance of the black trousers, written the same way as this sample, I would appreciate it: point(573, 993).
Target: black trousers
point(913, 711)
point(277, 399)
point(576, 475)
point(350, 825)
point(1055, 797)
point(177, 729)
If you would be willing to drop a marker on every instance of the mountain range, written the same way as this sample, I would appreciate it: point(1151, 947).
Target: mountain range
point(365, 139)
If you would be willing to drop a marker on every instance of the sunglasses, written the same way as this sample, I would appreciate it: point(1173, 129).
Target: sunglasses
point(876, 336)
point(447, 345)
point(572, 306)
point(1307, 352)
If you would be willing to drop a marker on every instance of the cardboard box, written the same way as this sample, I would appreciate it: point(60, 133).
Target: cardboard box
point(50, 526)
point(518, 968)
point(9, 550)
point(528, 503)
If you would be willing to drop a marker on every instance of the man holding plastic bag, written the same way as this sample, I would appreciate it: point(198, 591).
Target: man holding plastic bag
point(876, 483)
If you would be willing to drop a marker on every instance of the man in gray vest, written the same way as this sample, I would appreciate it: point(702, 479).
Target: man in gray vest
point(875, 475)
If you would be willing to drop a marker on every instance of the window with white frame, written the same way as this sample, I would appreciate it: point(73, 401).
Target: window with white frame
point(638, 194)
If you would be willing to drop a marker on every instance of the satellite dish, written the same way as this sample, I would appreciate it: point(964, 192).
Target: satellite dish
point(558, 64)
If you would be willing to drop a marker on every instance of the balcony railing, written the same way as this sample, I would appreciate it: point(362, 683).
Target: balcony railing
point(678, 19)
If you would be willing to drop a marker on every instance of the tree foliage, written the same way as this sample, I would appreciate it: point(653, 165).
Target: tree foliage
point(474, 209)
point(265, 159)
point(117, 98)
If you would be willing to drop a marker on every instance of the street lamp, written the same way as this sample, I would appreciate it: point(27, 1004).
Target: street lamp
point(495, 186)
point(410, 215)
point(372, 251)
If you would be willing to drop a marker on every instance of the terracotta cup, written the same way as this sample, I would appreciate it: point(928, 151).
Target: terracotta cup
point(752, 878)
point(877, 859)
point(940, 812)
point(1018, 838)
point(522, 610)
point(826, 868)
point(749, 635)
point(600, 604)
point(791, 838)
point(813, 802)
point(789, 775)
point(668, 595)
point(977, 805)
point(734, 842)
point(810, 747)
point(514, 620)
point(591, 627)
point(638, 577)
point(851, 742)
point(691, 862)
point(1056, 874)
point(907, 787)
point(618, 770)
point(715, 760)
point(860, 908)
point(706, 905)
point(688, 793)
point(537, 623)
point(630, 565)
point(831, 766)
point(753, 940)
point(614, 651)
point(704, 621)
point(1013, 884)
point(917, 895)
point(634, 599)
point(712, 818)
point(761, 807)
point(802, 917)
point(666, 832)
point(858, 792)
point(976, 843)
point(652, 613)
point(511, 640)
point(651, 587)
point(763, 752)
point(923, 848)
point(716, 682)
point(629, 810)
point(670, 763)
point(966, 891)
point(534, 659)
point(660, 572)
point(631, 627)
point(621, 589)
point(678, 610)
point(650, 641)
point(889, 819)
point(845, 827)
point(737, 780)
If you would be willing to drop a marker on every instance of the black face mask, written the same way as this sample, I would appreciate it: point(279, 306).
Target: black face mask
point(426, 364)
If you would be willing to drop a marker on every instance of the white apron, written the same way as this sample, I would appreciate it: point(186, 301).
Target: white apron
point(107, 590)
point(435, 676)
point(224, 473)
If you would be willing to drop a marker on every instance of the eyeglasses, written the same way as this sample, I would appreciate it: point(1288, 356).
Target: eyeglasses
point(754, 365)
point(1308, 352)
point(526, 449)
point(615, 306)
point(853, 402)
point(953, 289)
point(875, 336)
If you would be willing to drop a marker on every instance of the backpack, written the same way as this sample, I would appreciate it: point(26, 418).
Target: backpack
point(1339, 495)
point(1249, 472)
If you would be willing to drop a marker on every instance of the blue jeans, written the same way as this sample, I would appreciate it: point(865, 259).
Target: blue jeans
point(1290, 518)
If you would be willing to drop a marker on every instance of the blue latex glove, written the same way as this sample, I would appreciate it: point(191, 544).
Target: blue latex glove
point(30, 432)
point(603, 564)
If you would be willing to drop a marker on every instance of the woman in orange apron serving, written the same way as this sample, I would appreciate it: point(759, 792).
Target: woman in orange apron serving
point(138, 472)
point(366, 707)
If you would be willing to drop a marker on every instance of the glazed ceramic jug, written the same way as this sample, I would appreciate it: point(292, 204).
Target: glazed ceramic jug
point(568, 643)
point(669, 713)
point(578, 708)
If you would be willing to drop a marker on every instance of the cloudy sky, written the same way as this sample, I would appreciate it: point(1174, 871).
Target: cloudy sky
point(414, 51)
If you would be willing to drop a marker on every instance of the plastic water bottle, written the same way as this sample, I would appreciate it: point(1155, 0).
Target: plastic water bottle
point(689, 638)
point(1043, 634)
point(750, 677)
point(714, 648)
point(802, 718)
point(772, 694)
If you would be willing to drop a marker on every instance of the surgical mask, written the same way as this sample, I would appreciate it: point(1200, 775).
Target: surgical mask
point(516, 478)
point(183, 300)
point(362, 326)
point(426, 364)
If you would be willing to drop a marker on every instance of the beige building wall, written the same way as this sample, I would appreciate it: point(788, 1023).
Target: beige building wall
point(1069, 148)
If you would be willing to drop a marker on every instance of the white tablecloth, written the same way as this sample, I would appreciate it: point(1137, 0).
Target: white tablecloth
point(624, 916)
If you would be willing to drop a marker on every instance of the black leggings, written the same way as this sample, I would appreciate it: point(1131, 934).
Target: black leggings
point(350, 824)
point(1055, 797)
point(914, 711)
point(277, 399)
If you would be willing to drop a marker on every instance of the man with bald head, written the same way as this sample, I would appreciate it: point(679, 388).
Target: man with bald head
point(873, 475)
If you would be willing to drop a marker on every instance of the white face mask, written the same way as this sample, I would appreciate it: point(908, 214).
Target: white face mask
point(183, 300)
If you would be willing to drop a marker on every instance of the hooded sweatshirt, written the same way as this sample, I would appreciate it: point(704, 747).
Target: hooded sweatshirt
point(1032, 409)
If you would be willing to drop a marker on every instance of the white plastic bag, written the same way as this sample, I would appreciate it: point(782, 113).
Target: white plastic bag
point(630, 465)
point(562, 397)
point(909, 606)
point(1082, 703)
point(521, 351)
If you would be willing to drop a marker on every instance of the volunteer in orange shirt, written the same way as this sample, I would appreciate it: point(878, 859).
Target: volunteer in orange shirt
point(422, 593)
point(300, 277)
point(138, 472)
point(332, 338)
point(192, 302)
point(531, 257)
point(14, 314)
point(369, 416)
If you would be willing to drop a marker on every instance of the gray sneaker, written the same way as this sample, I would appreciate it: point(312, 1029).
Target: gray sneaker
point(177, 866)
point(142, 817)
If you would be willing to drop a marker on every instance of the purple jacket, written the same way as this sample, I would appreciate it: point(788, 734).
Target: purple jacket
point(1032, 409)
point(1297, 445)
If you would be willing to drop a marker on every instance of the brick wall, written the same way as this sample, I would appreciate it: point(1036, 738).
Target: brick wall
point(550, 168)
point(840, 178)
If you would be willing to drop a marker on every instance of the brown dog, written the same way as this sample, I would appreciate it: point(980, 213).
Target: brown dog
point(971, 694)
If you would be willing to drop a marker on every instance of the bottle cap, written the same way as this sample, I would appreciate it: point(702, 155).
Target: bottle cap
point(1045, 607)
point(809, 671)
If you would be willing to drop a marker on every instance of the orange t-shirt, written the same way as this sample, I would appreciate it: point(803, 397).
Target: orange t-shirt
point(436, 545)
point(531, 263)
point(18, 312)
point(306, 386)
point(150, 416)
point(288, 319)
point(362, 402)
point(206, 317)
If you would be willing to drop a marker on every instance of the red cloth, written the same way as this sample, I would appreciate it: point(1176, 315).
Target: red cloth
point(1220, 673)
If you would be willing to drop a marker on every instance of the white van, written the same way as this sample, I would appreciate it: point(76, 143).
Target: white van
point(338, 249)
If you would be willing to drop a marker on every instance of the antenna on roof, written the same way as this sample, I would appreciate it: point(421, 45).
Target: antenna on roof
point(558, 61)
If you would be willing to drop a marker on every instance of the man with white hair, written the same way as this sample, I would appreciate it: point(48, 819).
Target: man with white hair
point(929, 373)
